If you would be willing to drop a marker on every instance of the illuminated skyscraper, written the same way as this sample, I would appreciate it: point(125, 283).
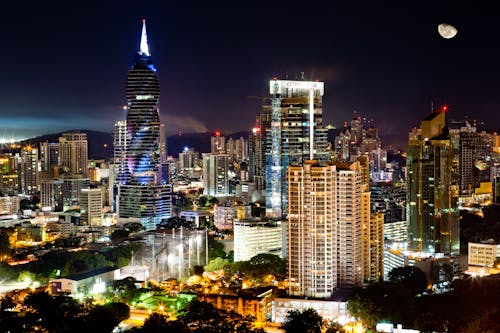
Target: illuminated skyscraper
point(73, 153)
point(330, 235)
point(292, 136)
point(215, 174)
point(29, 176)
point(432, 195)
point(143, 192)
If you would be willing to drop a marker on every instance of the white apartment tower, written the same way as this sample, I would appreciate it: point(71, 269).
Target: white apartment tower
point(215, 174)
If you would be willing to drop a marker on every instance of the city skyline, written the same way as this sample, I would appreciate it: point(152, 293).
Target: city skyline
point(384, 62)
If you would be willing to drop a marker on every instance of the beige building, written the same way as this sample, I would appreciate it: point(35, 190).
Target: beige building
point(329, 229)
point(249, 302)
point(483, 254)
point(91, 204)
point(73, 153)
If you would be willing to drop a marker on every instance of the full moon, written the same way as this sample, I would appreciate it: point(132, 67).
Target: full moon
point(447, 30)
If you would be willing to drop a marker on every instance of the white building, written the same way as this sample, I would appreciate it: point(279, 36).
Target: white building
point(91, 204)
point(254, 237)
point(215, 174)
point(483, 254)
point(90, 282)
point(328, 310)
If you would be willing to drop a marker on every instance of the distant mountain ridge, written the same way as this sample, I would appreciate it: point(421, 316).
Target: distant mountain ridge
point(100, 144)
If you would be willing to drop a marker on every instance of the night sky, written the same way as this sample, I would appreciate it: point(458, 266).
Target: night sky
point(64, 64)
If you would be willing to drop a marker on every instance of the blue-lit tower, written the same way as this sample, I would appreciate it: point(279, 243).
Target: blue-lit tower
point(143, 192)
point(295, 134)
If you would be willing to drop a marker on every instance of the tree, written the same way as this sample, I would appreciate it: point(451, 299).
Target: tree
point(204, 317)
point(119, 235)
point(7, 303)
point(7, 272)
point(382, 301)
point(133, 226)
point(410, 277)
point(198, 270)
point(215, 249)
point(4, 244)
point(305, 321)
point(104, 318)
point(217, 264)
point(159, 323)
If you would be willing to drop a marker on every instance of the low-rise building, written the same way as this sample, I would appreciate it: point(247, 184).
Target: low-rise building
point(328, 309)
point(252, 237)
point(88, 282)
point(254, 302)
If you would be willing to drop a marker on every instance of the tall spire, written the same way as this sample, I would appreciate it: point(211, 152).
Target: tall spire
point(144, 40)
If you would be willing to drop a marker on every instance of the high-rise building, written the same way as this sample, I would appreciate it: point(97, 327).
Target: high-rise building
point(473, 156)
point(188, 159)
point(71, 188)
point(91, 204)
point(432, 190)
point(143, 191)
point(215, 174)
point(49, 156)
point(9, 180)
point(28, 171)
point(218, 143)
point(51, 195)
point(120, 151)
point(296, 134)
point(73, 153)
point(329, 231)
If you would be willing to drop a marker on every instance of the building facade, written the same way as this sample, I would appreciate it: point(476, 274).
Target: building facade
point(73, 153)
point(143, 191)
point(296, 134)
point(329, 229)
point(432, 189)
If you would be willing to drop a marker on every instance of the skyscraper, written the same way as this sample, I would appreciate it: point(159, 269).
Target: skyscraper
point(296, 134)
point(73, 153)
point(143, 192)
point(432, 195)
point(215, 174)
point(29, 177)
point(330, 238)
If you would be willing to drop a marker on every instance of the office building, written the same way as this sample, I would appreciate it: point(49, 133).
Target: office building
point(143, 191)
point(51, 195)
point(218, 143)
point(49, 157)
point(73, 153)
point(215, 174)
point(91, 204)
point(296, 134)
point(71, 189)
point(432, 188)
point(29, 171)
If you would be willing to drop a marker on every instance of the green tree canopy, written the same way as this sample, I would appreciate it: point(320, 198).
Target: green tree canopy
point(410, 277)
point(302, 321)
point(383, 301)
